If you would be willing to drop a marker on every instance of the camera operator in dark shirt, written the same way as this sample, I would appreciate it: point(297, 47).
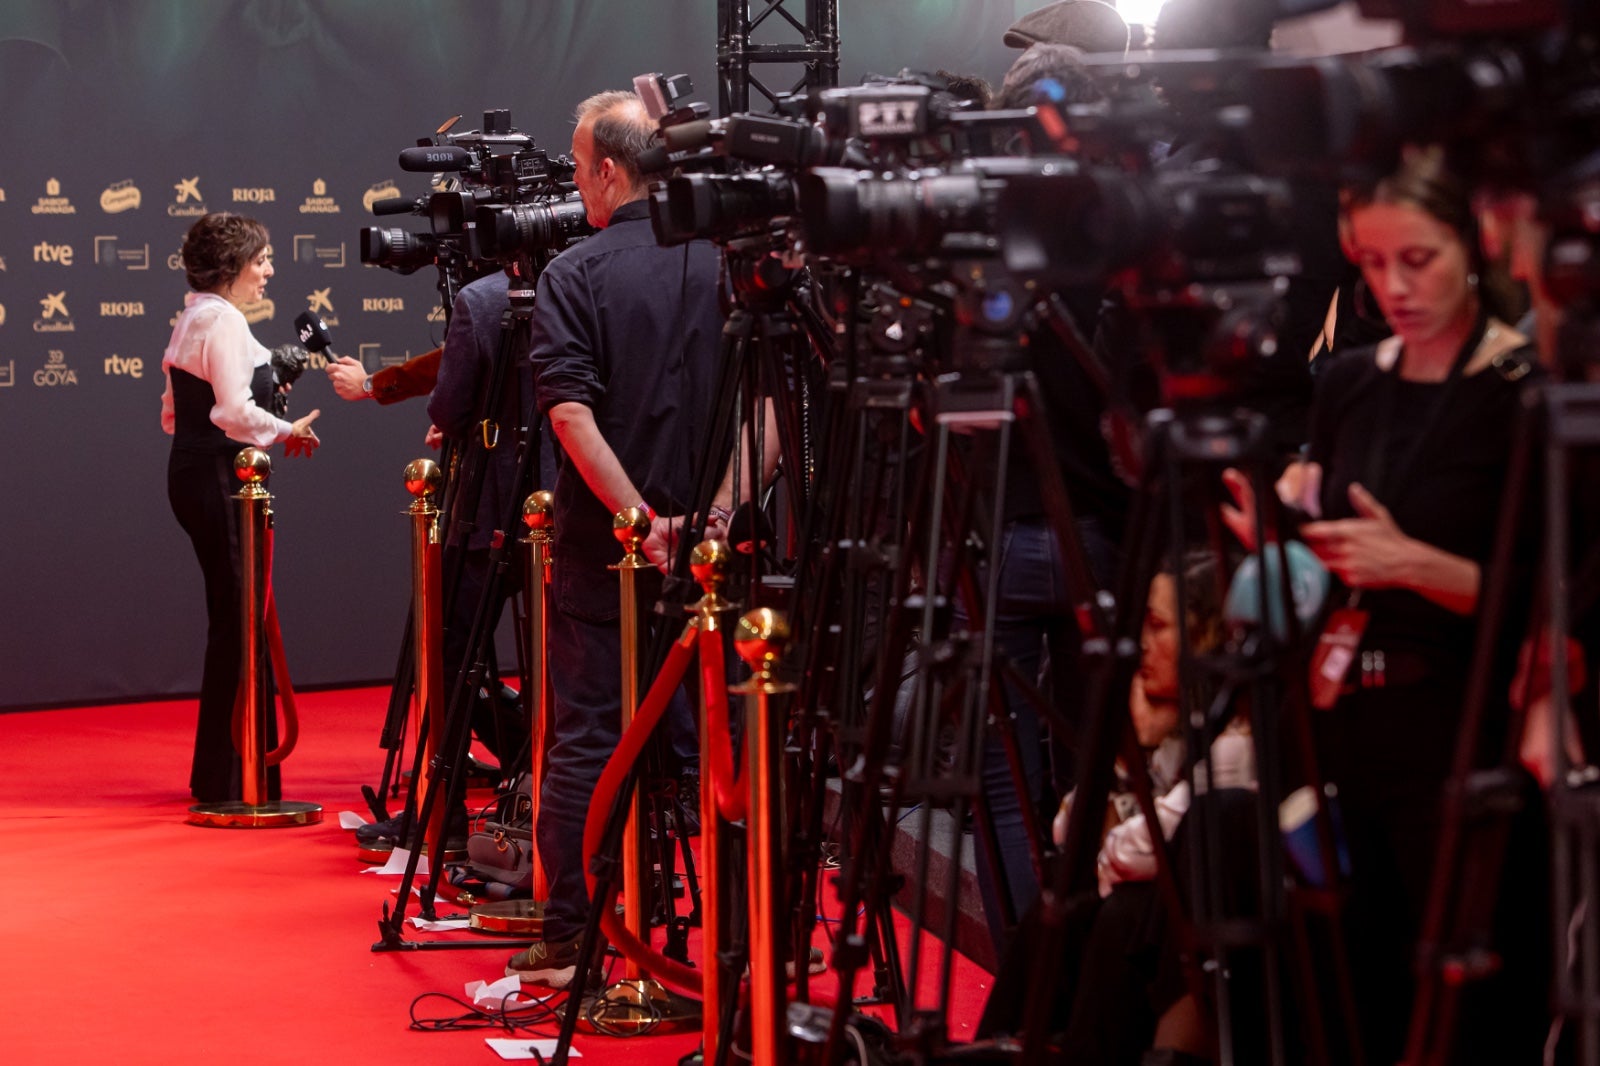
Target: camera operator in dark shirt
point(626, 337)
point(1035, 605)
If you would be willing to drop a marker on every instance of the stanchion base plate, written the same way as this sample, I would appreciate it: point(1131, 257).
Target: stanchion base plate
point(512, 917)
point(236, 814)
point(378, 853)
point(637, 1005)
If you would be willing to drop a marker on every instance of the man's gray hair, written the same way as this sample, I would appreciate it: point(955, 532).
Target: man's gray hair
point(622, 129)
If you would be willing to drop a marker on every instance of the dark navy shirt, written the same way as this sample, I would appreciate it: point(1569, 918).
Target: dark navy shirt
point(630, 330)
point(471, 345)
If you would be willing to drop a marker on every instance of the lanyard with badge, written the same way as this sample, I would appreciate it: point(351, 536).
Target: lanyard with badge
point(1341, 636)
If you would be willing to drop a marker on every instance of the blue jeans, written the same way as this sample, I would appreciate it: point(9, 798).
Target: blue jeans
point(1033, 612)
point(586, 671)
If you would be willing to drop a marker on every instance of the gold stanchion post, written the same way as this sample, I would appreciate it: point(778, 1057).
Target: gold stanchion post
point(525, 917)
point(643, 995)
point(709, 565)
point(761, 638)
point(254, 811)
point(423, 479)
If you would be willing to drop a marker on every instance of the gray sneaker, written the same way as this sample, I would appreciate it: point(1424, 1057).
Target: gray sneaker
point(543, 963)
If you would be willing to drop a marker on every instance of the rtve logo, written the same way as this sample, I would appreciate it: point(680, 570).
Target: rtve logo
point(122, 309)
point(60, 254)
point(117, 366)
point(255, 196)
point(384, 304)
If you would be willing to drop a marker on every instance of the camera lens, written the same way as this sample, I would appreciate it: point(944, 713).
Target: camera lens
point(520, 229)
point(396, 249)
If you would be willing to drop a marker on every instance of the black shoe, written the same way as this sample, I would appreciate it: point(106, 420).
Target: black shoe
point(687, 810)
point(398, 829)
point(543, 963)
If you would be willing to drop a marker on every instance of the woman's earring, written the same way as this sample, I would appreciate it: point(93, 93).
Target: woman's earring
point(1472, 281)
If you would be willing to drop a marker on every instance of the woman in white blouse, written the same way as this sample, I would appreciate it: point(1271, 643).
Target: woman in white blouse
point(217, 401)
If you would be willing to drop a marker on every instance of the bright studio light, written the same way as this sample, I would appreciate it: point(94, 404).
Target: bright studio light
point(1142, 12)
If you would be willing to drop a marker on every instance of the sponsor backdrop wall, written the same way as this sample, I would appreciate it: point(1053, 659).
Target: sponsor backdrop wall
point(121, 122)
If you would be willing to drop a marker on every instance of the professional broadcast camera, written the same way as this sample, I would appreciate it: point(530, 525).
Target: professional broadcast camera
point(508, 202)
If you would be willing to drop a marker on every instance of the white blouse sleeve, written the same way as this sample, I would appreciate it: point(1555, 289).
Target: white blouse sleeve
point(229, 356)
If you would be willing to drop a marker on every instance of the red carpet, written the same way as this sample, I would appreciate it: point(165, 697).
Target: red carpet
point(131, 937)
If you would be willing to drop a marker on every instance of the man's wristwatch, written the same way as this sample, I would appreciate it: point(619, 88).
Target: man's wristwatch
point(649, 512)
point(366, 384)
point(721, 515)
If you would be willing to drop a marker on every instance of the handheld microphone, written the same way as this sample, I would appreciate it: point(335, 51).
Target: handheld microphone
point(1309, 584)
point(748, 531)
point(312, 331)
point(426, 160)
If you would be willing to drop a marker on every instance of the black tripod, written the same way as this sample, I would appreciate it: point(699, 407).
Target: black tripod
point(1185, 451)
point(446, 776)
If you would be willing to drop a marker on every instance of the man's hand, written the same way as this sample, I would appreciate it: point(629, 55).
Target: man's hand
point(434, 438)
point(662, 543)
point(349, 378)
point(302, 438)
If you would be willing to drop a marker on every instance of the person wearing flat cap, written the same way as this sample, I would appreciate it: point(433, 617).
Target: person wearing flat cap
point(1088, 25)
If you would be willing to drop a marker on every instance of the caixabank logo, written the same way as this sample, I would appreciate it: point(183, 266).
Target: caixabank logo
point(187, 203)
point(320, 302)
point(55, 371)
point(319, 202)
point(121, 196)
point(53, 314)
point(52, 202)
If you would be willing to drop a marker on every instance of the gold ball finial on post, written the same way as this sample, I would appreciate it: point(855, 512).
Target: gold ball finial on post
point(538, 512)
point(252, 466)
point(761, 638)
point(631, 526)
point(423, 477)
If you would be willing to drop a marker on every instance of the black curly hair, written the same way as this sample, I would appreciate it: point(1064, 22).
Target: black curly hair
point(218, 247)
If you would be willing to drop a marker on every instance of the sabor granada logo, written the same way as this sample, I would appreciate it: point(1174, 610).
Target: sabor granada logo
point(261, 310)
point(258, 195)
point(53, 315)
point(319, 202)
point(319, 302)
point(383, 190)
point(55, 370)
point(386, 305)
point(52, 202)
point(188, 203)
point(121, 196)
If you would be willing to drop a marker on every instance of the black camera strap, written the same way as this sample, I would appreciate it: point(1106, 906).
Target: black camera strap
point(1379, 476)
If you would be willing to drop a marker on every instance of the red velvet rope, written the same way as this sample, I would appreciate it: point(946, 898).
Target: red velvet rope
point(280, 670)
point(684, 978)
point(726, 784)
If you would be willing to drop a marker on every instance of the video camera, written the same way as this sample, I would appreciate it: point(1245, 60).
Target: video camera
point(508, 201)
